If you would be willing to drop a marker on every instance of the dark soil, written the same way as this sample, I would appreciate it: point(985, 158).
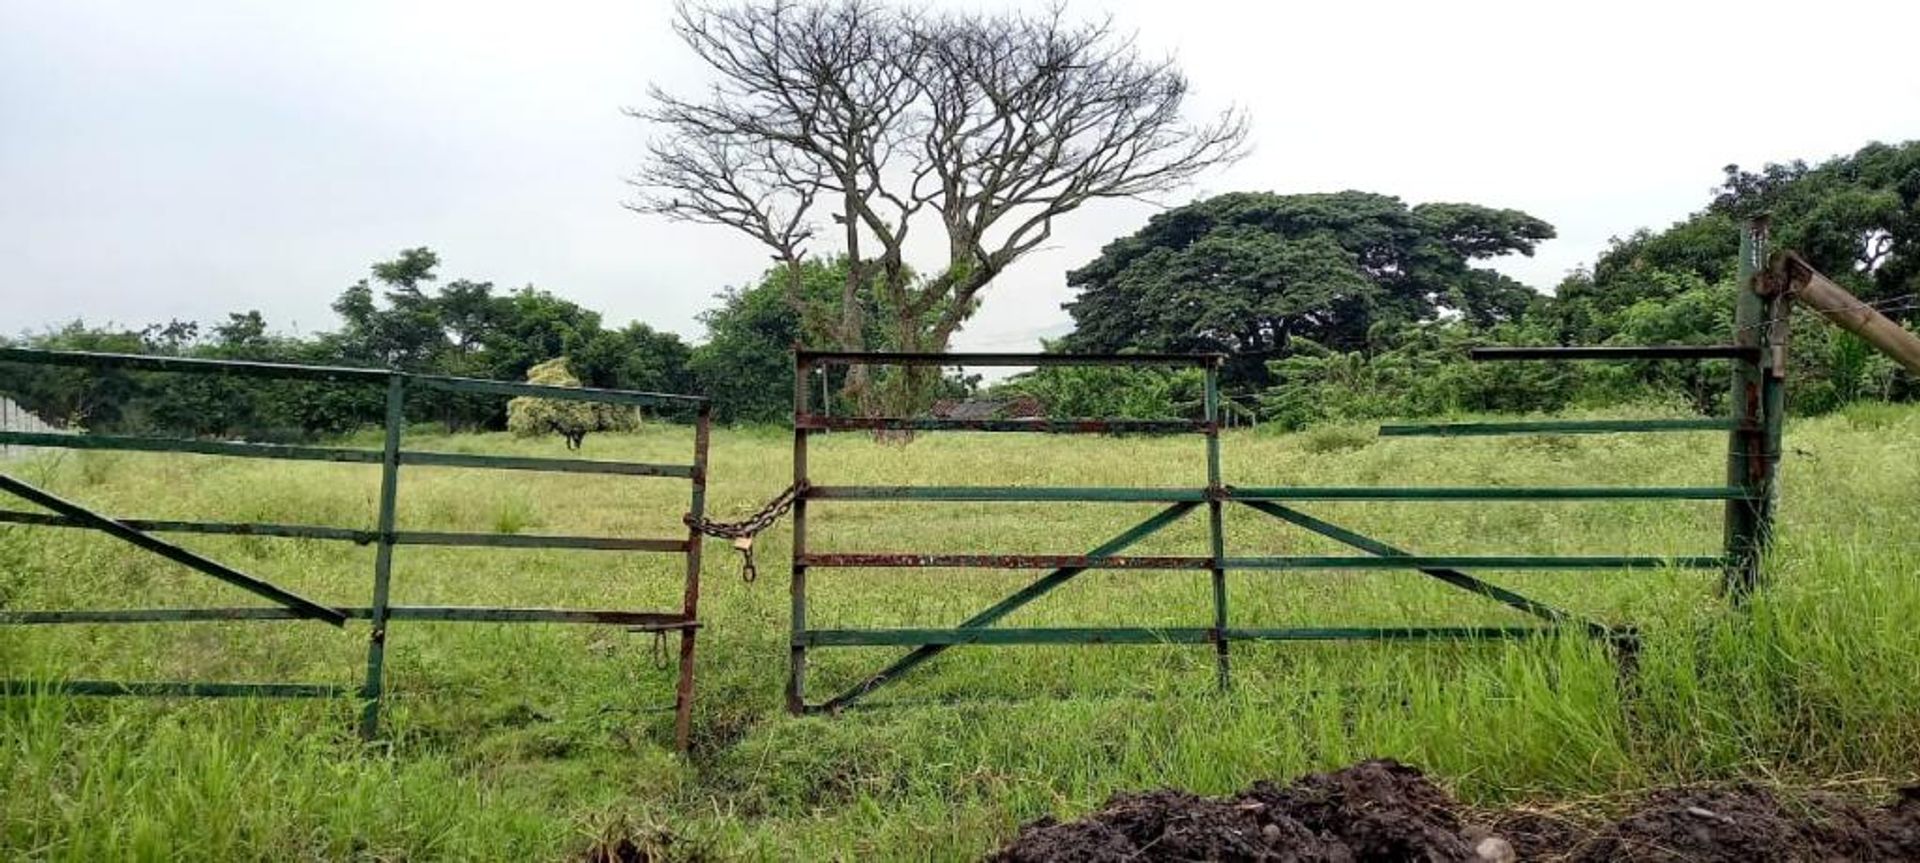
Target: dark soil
point(1386, 811)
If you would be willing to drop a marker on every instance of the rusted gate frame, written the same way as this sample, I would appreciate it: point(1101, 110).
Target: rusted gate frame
point(385, 537)
point(927, 643)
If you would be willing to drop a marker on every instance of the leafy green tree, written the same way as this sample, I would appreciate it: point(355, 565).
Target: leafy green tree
point(1246, 274)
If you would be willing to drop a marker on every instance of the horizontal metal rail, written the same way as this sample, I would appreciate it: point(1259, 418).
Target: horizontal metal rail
point(1103, 494)
point(897, 358)
point(174, 689)
point(545, 465)
point(911, 560)
point(1000, 561)
point(1623, 352)
point(217, 528)
point(195, 447)
point(1471, 561)
point(1558, 427)
point(814, 422)
point(335, 374)
point(1485, 493)
point(1149, 635)
point(340, 454)
point(1084, 494)
point(361, 537)
point(444, 613)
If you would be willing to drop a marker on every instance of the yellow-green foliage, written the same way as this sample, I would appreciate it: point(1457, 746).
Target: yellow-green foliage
point(528, 416)
point(525, 742)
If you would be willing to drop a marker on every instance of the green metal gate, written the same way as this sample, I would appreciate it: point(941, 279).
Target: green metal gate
point(380, 613)
point(1754, 438)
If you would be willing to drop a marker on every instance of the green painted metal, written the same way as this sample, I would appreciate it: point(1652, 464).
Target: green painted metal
point(1216, 526)
point(544, 465)
point(217, 528)
point(150, 615)
point(1484, 493)
point(524, 540)
point(1447, 568)
point(575, 394)
point(998, 610)
point(199, 447)
point(170, 689)
point(1156, 635)
point(361, 537)
point(951, 360)
point(337, 375)
point(1084, 494)
point(1064, 426)
point(374, 688)
point(1507, 562)
point(234, 368)
point(185, 557)
point(1453, 577)
point(439, 613)
point(1558, 427)
point(385, 536)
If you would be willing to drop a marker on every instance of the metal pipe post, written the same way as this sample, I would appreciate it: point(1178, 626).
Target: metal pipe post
point(690, 600)
point(797, 658)
point(1216, 525)
point(383, 559)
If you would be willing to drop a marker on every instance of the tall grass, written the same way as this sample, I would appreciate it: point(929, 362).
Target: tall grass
point(530, 741)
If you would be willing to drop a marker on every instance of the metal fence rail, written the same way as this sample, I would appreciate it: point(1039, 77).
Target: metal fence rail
point(1740, 494)
point(385, 535)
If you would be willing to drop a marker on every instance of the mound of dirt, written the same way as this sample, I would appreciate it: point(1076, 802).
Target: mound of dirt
point(1386, 811)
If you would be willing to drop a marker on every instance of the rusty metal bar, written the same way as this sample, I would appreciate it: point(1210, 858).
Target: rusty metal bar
point(797, 587)
point(868, 560)
point(197, 447)
point(440, 613)
point(1485, 493)
point(690, 596)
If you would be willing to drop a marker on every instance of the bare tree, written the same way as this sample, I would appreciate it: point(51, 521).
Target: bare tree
point(879, 119)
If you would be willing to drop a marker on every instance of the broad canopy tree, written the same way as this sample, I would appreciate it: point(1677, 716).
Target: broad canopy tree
point(1247, 274)
point(838, 128)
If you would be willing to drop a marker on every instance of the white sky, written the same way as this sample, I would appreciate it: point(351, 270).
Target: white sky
point(190, 158)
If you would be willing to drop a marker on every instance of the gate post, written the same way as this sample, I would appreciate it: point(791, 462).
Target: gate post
point(383, 559)
point(797, 660)
point(1757, 404)
point(1215, 521)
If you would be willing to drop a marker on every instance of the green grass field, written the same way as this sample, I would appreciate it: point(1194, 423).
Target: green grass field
point(531, 741)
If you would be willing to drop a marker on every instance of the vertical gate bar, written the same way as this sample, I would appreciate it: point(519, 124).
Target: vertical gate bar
point(383, 559)
point(1216, 521)
point(797, 658)
point(690, 604)
point(1746, 403)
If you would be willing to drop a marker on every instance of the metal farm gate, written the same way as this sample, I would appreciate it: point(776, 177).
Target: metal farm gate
point(1753, 451)
point(380, 613)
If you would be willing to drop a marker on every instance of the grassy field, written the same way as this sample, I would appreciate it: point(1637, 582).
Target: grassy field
point(517, 742)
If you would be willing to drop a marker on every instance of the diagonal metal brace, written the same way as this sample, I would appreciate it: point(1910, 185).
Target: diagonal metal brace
point(1450, 576)
point(1006, 606)
point(145, 541)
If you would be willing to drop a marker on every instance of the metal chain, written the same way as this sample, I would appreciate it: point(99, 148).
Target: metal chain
point(742, 532)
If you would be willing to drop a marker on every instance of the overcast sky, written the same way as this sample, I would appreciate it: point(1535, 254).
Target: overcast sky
point(186, 159)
